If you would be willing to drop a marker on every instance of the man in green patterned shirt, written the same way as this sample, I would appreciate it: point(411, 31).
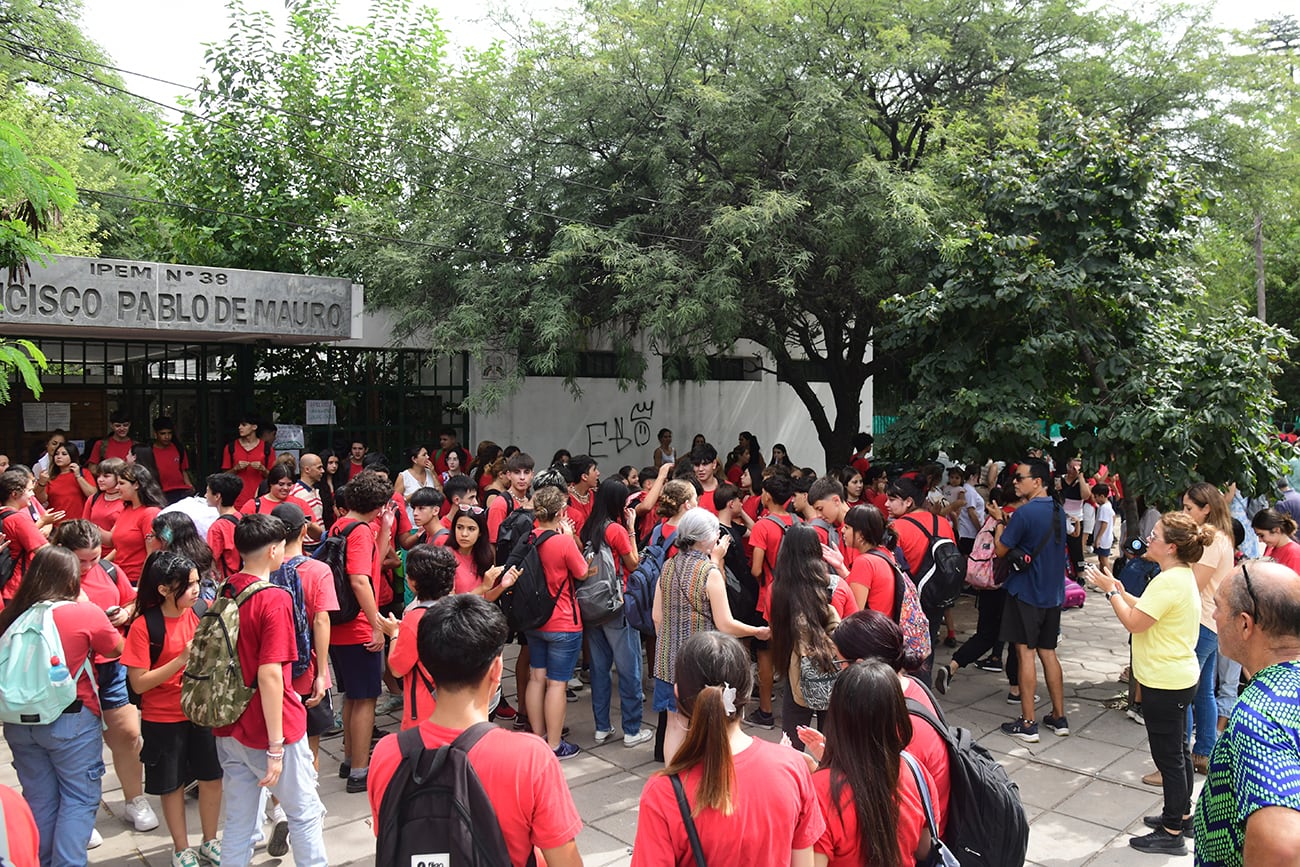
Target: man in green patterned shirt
point(1249, 810)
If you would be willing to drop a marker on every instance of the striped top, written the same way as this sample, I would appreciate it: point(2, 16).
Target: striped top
point(686, 608)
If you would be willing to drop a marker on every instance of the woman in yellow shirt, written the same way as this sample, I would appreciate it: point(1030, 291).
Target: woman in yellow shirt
point(1165, 623)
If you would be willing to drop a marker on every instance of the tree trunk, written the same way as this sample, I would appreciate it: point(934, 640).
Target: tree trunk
point(1259, 266)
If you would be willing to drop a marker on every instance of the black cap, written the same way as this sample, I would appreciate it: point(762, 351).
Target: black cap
point(292, 516)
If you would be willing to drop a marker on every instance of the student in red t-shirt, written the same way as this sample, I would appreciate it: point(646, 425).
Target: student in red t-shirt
point(248, 457)
point(105, 504)
point(460, 640)
point(141, 501)
point(430, 572)
point(118, 445)
point(356, 460)
point(705, 461)
point(222, 489)
point(870, 635)
point(614, 643)
point(861, 458)
point(171, 461)
point(175, 750)
point(267, 746)
point(765, 541)
point(106, 585)
point(754, 801)
point(586, 476)
point(871, 577)
point(555, 648)
point(357, 647)
point(914, 525)
point(518, 474)
point(24, 534)
point(805, 609)
point(868, 794)
point(852, 480)
point(65, 486)
point(876, 483)
point(60, 764)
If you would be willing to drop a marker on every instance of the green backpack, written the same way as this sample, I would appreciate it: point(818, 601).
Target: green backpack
point(214, 691)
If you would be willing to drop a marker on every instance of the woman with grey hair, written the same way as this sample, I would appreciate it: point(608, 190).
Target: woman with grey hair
point(691, 597)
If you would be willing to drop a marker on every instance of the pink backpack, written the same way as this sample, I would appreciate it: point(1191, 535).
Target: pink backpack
point(980, 573)
point(1074, 594)
point(907, 611)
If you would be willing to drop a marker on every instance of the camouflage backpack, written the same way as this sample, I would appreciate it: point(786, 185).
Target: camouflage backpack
point(214, 691)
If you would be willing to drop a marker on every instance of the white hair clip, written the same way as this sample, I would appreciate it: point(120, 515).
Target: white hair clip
point(728, 698)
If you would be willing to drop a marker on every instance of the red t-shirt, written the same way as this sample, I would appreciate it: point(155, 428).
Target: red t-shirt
point(467, 577)
point(172, 463)
point(111, 448)
point(403, 659)
point(840, 842)
point(579, 512)
point(842, 599)
point(162, 704)
point(221, 539)
point(734, 474)
point(766, 536)
point(861, 464)
point(912, 540)
point(1287, 555)
point(84, 629)
point(350, 469)
point(133, 525)
point(235, 453)
point(522, 779)
point(24, 541)
point(774, 811)
point(930, 750)
point(706, 502)
point(318, 595)
point(21, 834)
point(362, 559)
point(562, 561)
point(105, 591)
point(102, 512)
point(873, 573)
point(64, 494)
point(878, 499)
point(497, 512)
point(265, 636)
point(753, 506)
point(620, 543)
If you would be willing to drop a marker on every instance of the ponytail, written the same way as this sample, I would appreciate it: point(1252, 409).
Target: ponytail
point(708, 743)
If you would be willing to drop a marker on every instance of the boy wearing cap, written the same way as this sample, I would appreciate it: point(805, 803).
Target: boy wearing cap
point(1135, 574)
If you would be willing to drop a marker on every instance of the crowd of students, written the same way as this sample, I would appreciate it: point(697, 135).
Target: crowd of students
point(767, 580)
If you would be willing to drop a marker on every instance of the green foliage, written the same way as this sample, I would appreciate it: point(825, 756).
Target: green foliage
point(34, 192)
point(24, 357)
point(1070, 298)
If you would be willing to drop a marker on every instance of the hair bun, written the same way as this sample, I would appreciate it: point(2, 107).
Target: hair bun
point(1206, 534)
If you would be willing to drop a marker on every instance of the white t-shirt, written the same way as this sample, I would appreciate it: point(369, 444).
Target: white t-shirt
point(198, 511)
point(1106, 514)
point(966, 527)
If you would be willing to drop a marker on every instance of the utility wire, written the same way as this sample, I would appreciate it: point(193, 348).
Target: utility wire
point(349, 164)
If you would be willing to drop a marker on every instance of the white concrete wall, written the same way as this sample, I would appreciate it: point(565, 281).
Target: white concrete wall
point(620, 427)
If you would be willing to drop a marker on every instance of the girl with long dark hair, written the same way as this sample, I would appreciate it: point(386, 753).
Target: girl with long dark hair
point(1276, 532)
point(174, 531)
point(772, 820)
point(67, 485)
point(141, 502)
point(61, 764)
point(610, 527)
point(330, 461)
point(175, 749)
point(869, 797)
point(802, 619)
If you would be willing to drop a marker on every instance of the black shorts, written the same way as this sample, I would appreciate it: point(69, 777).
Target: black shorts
point(320, 718)
point(1036, 628)
point(176, 753)
point(358, 673)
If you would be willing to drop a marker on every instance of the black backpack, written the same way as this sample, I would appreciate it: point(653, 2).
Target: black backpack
point(435, 809)
point(516, 527)
point(333, 552)
point(941, 574)
point(530, 603)
point(8, 564)
point(986, 820)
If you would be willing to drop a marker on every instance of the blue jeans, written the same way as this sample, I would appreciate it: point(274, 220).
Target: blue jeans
point(616, 644)
point(296, 789)
point(60, 766)
point(1203, 715)
point(1229, 677)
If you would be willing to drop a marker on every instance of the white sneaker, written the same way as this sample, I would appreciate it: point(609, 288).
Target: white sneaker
point(638, 738)
point(575, 683)
point(140, 815)
point(602, 736)
point(95, 839)
point(185, 858)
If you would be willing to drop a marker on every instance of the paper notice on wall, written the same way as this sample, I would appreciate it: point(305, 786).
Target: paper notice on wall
point(321, 412)
point(41, 417)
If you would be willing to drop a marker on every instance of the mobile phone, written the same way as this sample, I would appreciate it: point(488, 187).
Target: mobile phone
point(113, 611)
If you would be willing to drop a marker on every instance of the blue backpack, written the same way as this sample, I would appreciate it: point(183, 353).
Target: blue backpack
point(639, 599)
point(287, 577)
point(36, 685)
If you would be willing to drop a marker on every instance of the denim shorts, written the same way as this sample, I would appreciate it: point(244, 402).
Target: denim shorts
point(557, 652)
point(111, 677)
point(665, 697)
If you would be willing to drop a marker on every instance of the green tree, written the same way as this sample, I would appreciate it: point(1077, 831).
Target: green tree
point(693, 173)
point(1070, 298)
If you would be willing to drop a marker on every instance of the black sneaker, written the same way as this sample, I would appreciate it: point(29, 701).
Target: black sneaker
point(570, 696)
point(761, 720)
point(1158, 822)
point(356, 784)
point(1012, 698)
point(1057, 724)
point(989, 664)
point(521, 722)
point(1022, 729)
point(951, 640)
point(1160, 842)
point(942, 675)
point(345, 768)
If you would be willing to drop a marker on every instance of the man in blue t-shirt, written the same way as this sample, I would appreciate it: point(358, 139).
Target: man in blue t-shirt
point(1031, 619)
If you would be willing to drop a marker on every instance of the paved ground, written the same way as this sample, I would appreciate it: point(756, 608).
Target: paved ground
point(1083, 793)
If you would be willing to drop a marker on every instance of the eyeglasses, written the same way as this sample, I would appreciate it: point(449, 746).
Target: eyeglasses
point(1250, 591)
point(473, 510)
point(843, 663)
point(1020, 478)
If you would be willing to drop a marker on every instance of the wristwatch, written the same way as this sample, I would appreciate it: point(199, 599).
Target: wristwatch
point(1110, 594)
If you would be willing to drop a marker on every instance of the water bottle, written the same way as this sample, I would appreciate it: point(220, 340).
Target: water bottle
point(58, 671)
